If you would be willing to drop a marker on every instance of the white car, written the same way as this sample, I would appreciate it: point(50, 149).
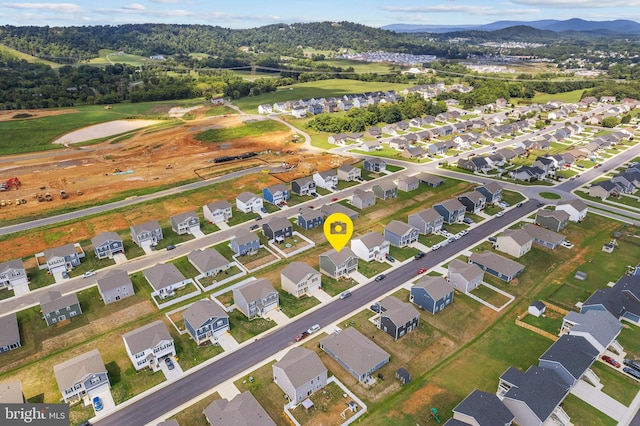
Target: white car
point(567, 244)
point(89, 274)
point(500, 214)
point(313, 328)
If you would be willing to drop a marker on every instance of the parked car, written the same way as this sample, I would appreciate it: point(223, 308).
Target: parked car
point(419, 255)
point(314, 195)
point(632, 363)
point(468, 220)
point(97, 403)
point(334, 199)
point(380, 277)
point(301, 336)
point(520, 204)
point(345, 294)
point(169, 363)
point(435, 247)
point(254, 227)
point(313, 328)
point(65, 274)
point(375, 308)
point(263, 210)
point(170, 247)
point(492, 239)
point(500, 214)
point(389, 258)
point(567, 244)
point(258, 218)
point(89, 273)
point(610, 361)
point(422, 271)
point(632, 372)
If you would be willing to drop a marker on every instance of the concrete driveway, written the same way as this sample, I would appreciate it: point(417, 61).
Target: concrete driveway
point(171, 374)
point(20, 289)
point(120, 258)
point(228, 342)
point(106, 398)
point(322, 296)
point(599, 400)
point(278, 316)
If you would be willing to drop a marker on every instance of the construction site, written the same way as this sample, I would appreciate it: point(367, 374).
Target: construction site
point(37, 184)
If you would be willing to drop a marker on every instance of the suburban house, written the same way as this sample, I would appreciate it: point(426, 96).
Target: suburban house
point(115, 285)
point(311, 219)
point(408, 183)
point(371, 246)
point(105, 245)
point(473, 201)
point(164, 278)
point(348, 173)
point(247, 202)
point(11, 393)
point(147, 234)
point(299, 111)
point(243, 409)
point(370, 146)
point(299, 374)
point(276, 194)
point(245, 243)
point(256, 298)
point(208, 261)
point(604, 190)
point(375, 165)
point(84, 375)
point(9, 334)
point(327, 179)
point(277, 229)
point(483, 409)
point(621, 300)
point(363, 199)
point(544, 237)
point(329, 209)
point(397, 318)
point(12, 273)
point(355, 353)
point(56, 308)
point(148, 345)
point(299, 279)
point(427, 221)
point(555, 220)
point(527, 173)
point(265, 109)
point(515, 242)
point(205, 320)
point(400, 234)
point(303, 186)
point(217, 212)
point(429, 179)
point(432, 294)
point(464, 276)
point(338, 264)
point(185, 223)
point(600, 328)
point(499, 266)
point(452, 211)
point(576, 208)
point(492, 192)
point(534, 397)
point(385, 190)
point(571, 358)
point(61, 259)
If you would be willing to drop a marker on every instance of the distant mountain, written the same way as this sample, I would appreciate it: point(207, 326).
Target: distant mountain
point(620, 26)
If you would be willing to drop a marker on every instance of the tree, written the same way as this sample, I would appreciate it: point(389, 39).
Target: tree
point(610, 122)
point(625, 119)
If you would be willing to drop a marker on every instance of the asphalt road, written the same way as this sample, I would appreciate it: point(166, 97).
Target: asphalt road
point(192, 385)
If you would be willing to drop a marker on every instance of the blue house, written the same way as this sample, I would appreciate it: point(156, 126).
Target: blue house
point(571, 358)
point(246, 243)
point(375, 165)
point(205, 320)
point(452, 210)
point(310, 220)
point(276, 194)
point(432, 294)
point(492, 192)
point(106, 244)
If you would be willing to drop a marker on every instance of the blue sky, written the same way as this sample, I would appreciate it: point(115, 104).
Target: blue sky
point(254, 13)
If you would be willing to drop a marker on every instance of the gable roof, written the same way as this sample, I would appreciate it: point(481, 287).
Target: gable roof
point(146, 337)
point(207, 259)
point(428, 215)
point(102, 238)
point(60, 251)
point(300, 365)
point(245, 237)
point(303, 181)
point(281, 187)
point(149, 226)
point(12, 264)
point(451, 205)
point(355, 350)
point(397, 311)
point(492, 187)
point(399, 228)
point(242, 410)
point(363, 195)
point(496, 262)
point(200, 312)
point(179, 218)
point(386, 185)
point(474, 196)
point(256, 289)
point(113, 279)
point(219, 205)
point(278, 223)
point(162, 275)
point(436, 287)
point(559, 215)
point(576, 203)
point(429, 178)
point(297, 271)
point(371, 239)
point(575, 353)
point(543, 234)
point(623, 297)
point(520, 236)
point(603, 326)
point(73, 370)
point(330, 209)
point(468, 271)
point(339, 257)
point(245, 197)
point(9, 331)
point(485, 408)
point(11, 393)
point(53, 300)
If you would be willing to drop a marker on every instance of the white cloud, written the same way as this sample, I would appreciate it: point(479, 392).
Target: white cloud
point(134, 6)
point(461, 8)
point(580, 4)
point(53, 7)
point(165, 1)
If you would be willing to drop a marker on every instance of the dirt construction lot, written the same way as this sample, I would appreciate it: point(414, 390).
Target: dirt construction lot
point(157, 157)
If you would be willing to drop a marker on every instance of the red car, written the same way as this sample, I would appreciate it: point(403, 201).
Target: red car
point(301, 336)
point(334, 199)
point(422, 270)
point(610, 361)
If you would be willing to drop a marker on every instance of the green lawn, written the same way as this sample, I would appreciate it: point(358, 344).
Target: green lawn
point(549, 195)
point(373, 268)
point(254, 128)
point(334, 287)
point(185, 267)
point(189, 354)
point(292, 306)
point(243, 329)
point(39, 278)
point(584, 414)
point(192, 415)
point(618, 385)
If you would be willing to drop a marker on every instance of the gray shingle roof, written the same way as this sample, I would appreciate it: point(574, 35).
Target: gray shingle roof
point(200, 312)
point(103, 237)
point(498, 263)
point(245, 197)
point(12, 264)
point(559, 215)
point(113, 279)
point(278, 224)
point(179, 218)
point(436, 287)
point(218, 205)
point(543, 234)
point(576, 203)
point(74, 370)
point(9, 331)
point(371, 239)
point(603, 326)
point(146, 337)
point(257, 289)
point(11, 393)
point(397, 311)
point(338, 258)
point(452, 205)
point(245, 238)
point(163, 275)
point(297, 271)
point(242, 410)
point(520, 236)
point(468, 270)
point(399, 228)
point(355, 350)
point(575, 353)
point(486, 408)
point(53, 300)
point(428, 215)
point(207, 259)
point(61, 251)
point(300, 365)
point(150, 226)
point(474, 196)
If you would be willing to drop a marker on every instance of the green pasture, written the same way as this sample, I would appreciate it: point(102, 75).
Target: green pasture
point(116, 58)
point(254, 128)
